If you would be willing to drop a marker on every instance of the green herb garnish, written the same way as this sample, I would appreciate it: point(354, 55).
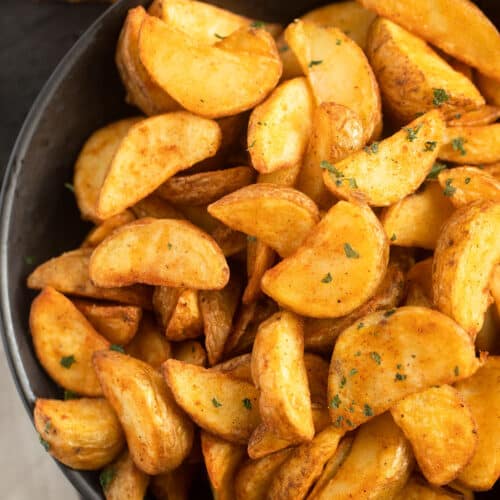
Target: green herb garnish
point(327, 278)
point(458, 145)
point(399, 377)
point(367, 411)
point(393, 237)
point(467, 180)
point(106, 477)
point(67, 361)
point(70, 395)
point(350, 252)
point(435, 170)
point(353, 372)
point(216, 403)
point(117, 348)
point(376, 357)
point(258, 24)
point(247, 403)
point(372, 148)
point(335, 402)
point(390, 312)
point(430, 145)
point(411, 133)
point(69, 186)
point(360, 325)
point(338, 42)
point(456, 371)
point(315, 62)
point(343, 382)
point(338, 421)
point(449, 190)
point(440, 96)
point(251, 239)
point(220, 37)
point(44, 444)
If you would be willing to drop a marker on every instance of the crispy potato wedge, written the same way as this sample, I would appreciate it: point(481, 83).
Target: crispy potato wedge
point(205, 187)
point(480, 393)
point(336, 133)
point(299, 472)
point(338, 267)
point(190, 351)
point(482, 116)
point(291, 65)
point(238, 367)
point(64, 342)
point(380, 461)
point(388, 356)
point(266, 211)
point(247, 61)
point(466, 253)
point(415, 221)
point(165, 252)
point(186, 321)
point(471, 145)
point(264, 442)
point(317, 378)
point(159, 435)
point(142, 91)
point(260, 258)
point(105, 228)
point(401, 161)
point(468, 184)
point(279, 128)
point(284, 177)
point(152, 151)
point(222, 459)
point(441, 430)
point(165, 299)
point(320, 334)
point(150, 345)
point(123, 479)
point(217, 311)
point(285, 399)
point(337, 70)
point(441, 23)
point(219, 403)
point(155, 206)
point(254, 477)
point(419, 279)
point(488, 338)
point(413, 78)
point(418, 489)
point(93, 163)
point(493, 169)
point(117, 323)
point(489, 87)
point(82, 433)
point(173, 485)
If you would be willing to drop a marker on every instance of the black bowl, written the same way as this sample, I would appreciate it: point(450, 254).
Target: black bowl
point(39, 218)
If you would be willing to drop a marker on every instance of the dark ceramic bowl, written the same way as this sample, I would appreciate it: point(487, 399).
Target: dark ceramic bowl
point(39, 218)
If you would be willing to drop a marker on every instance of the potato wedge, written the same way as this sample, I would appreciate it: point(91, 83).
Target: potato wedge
point(105, 228)
point(123, 479)
point(152, 151)
point(471, 145)
point(386, 172)
point(279, 128)
point(284, 177)
point(480, 393)
point(260, 258)
point(441, 430)
point(466, 253)
point(420, 284)
point(154, 206)
point(117, 323)
point(93, 163)
point(337, 70)
point(317, 378)
point(300, 470)
point(190, 351)
point(415, 221)
point(488, 338)
point(186, 321)
point(468, 184)
point(247, 61)
point(418, 489)
point(165, 299)
point(238, 367)
point(413, 78)
point(266, 211)
point(338, 267)
point(150, 345)
point(380, 462)
point(482, 116)
point(217, 402)
point(285, 399)
point(264, 442)
point(493, 169)
point(205, 187)
point(173, 485)
point(388, 356)
point(64, 342)
point(159, 435)
point(495, 287)
point(336, 133)
point(222, 459)
point(82, 433)
point(489, 87)
point(254, 477)
point(164, 252)
point(142, 91)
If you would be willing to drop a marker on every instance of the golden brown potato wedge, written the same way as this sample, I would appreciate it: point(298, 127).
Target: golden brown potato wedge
point(415, 221)
point(471, 145)
point(413, 78)
point(264, 442)
point(441, 23)
point(117, 323)
point(279, 128)
point(495, 287)
point(489, 87)
point(165, 299)
point(222, 459)
point(285, 399)
point(186, 321)
point(159, 435)
point(317, 378)
point(247, 61)
point(488, 338)
point(266, 211)
point(386, 172)
point(205, 187)
point(378, 465)
point(123, 479)
point(260, 258)
point(390, 355)
point(164, 252)
point(284, 177)
point(152, 151)
point(93, 163)
point(150, 345)
point(441, 430)
point(82, 433)
point(173, 485)
point(105, 228)
point(467, 184)
point(482, 116)
point(420, 284)
point(190, 351)
point(338, 267)
point(155, 206)
point(238, 367)
point(217, 402)
point(337, 70)
point(480, 393)
point(466, 253)
point(418, 489)
point(336, 133)
point(493, 169)
point(64, 342)
point(254, 477)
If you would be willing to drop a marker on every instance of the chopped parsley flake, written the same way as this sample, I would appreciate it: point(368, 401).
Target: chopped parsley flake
point(117, 348)
point(350, 252)
point(358, 353)
point(70, 395)
point(456, 371)
point(367, 411)
point(458, 145)
point(220, 37)
point(169, 245)
point(338, 42)
point(106, 477)
point(352, 183)
point(44, 444)
point(360, 325)
point(349, 423)
point(327, 278)
point(435, 170)
point(67, 361)
point(353, 372)
point(69, 186)
point(449, 190)
point(467, 180)
point(284, 48)
point(315, 62)
point(393, 237)
point(399, 366)
point(251, 145)
point(48, 426)
point(390, 312)
point(399, 377)
point(247, 403)
point(430, 145)
point(440, 96)
point(376, 357)
point(258, 24)
point(338, 421)
point(411, 133)
point(335, 402)
point(343, 382)
point(372, 148)
point(216, 403)
point(458, 115)
point(251, 239)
